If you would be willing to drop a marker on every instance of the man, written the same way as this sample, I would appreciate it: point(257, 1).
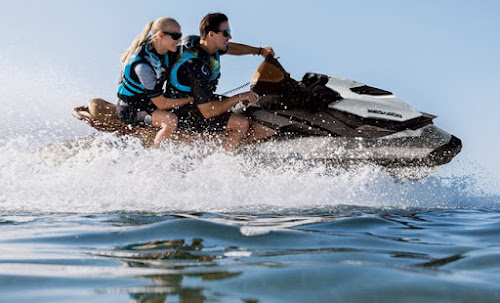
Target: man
point(196, 74)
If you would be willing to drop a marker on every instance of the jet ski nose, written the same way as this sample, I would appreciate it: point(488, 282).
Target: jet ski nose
point(445, 153)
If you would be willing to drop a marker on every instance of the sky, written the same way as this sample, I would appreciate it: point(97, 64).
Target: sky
point(441, 57)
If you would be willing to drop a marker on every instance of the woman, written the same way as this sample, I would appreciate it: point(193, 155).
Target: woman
point(145, 65)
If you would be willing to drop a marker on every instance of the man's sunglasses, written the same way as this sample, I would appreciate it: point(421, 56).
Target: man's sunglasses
point(226, 32)
point(175, 36)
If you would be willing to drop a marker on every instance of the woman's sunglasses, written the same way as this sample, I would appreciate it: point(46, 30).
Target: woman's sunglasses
point(175, 36)
point(225, 32)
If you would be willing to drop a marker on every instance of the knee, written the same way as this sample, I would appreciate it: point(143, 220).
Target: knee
point(172, 118)
point(164, 117)
point(239, 123)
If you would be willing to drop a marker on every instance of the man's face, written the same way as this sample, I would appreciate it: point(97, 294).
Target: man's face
point(222, 36)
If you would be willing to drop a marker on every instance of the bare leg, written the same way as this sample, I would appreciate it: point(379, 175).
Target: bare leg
point(259, 132)
point(168, 123)
point(102, 110)
point(237, 129)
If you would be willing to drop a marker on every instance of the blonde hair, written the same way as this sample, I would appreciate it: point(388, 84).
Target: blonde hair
point(154, 27)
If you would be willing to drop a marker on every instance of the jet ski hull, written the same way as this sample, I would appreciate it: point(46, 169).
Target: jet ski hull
point(425, 150)
point(426, 146)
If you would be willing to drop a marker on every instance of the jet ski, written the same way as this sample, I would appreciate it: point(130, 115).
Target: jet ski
point(320, 118)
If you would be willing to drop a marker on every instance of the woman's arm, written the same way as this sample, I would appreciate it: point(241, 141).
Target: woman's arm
point(147, 78)
point(163, 102)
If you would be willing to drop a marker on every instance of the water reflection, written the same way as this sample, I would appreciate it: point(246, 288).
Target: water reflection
point(185, 259)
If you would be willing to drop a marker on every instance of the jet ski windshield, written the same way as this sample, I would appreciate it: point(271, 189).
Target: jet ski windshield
point(368, 90)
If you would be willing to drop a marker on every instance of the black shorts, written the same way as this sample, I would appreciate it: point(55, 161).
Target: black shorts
point(128, 113)
point(190, 118)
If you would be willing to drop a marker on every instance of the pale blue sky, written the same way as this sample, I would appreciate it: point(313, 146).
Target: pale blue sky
point(441, 57)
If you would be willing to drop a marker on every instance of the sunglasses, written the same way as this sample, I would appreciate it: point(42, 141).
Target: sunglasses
point(175, 36)
point(225, 32)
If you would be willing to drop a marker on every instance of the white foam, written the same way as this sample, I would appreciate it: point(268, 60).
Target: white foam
point(115, 175)
point(238, 254)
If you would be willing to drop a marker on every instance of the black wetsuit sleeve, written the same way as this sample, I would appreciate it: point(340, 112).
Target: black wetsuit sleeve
point(198, 77)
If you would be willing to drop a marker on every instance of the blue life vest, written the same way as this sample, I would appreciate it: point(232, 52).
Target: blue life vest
point(189, 52)
point(130, 86)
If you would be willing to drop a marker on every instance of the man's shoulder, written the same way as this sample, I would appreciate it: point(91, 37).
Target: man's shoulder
point(189, 46)
point(191, 42)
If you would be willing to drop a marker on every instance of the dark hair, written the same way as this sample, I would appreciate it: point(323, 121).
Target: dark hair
point(211, 23)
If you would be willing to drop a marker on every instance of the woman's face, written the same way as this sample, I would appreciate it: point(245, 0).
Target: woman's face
point(171, 37)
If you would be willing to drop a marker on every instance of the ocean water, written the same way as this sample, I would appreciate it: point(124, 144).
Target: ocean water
point(90, 217)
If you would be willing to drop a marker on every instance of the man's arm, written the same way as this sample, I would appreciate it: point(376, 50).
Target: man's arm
point(216, 107)
point(243, 49)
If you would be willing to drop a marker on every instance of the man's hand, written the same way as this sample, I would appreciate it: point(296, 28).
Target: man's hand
point(248, 98)
point(266, 50)
point(216, 107)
